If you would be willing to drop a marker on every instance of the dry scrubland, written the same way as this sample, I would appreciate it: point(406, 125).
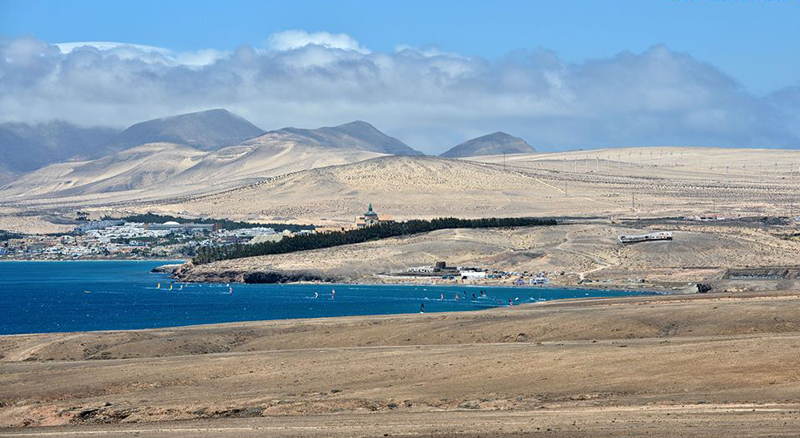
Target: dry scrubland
point(722, 181)
point(700, 365)
point(699, 252)
point(318, 188)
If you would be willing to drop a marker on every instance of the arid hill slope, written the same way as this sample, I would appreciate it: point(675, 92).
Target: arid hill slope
point(596, 183)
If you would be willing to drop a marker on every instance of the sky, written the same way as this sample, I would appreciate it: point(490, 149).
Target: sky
point(560, 74)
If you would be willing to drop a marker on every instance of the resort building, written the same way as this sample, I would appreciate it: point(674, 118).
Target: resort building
point(188, 227)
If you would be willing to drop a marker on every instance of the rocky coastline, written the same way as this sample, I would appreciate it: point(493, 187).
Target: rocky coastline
point(186, 273)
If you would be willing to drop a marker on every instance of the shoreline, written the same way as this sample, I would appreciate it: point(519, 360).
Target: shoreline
point(312, 320)
point(628, 365)
point(666, 290)
point(381, 281)
point(90, 260)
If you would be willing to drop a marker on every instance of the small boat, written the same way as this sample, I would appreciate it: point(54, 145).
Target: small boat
point(87, 291)
point(230, 291)
point(170, 286)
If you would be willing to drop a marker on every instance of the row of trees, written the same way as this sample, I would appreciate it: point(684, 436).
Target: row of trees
point(382, 230)
point(8, 235)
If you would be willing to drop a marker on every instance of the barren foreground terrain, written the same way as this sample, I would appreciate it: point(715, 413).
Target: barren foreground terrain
point(680, 365)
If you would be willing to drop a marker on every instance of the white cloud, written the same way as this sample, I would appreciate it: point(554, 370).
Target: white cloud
point(200, 57)
point(149, 54)
point(297, 39)
point(108, 45)
point(430, 99)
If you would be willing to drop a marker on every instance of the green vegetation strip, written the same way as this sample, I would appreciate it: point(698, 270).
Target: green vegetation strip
point(8, 235)
point(376, 232)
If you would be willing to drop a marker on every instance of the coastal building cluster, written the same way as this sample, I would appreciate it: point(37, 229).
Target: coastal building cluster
point(121, 239)
point(118, 238)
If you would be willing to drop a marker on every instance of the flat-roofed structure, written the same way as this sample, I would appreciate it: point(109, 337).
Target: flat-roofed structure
point(175, 226)
point(636, 238)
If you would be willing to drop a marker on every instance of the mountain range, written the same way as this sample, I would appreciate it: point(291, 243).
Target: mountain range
point(491, 144)
point(190, 153)
point(354, 135)
point(25, 147)
point(205, 130)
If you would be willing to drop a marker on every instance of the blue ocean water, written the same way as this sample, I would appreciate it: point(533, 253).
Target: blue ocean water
point(41, 297)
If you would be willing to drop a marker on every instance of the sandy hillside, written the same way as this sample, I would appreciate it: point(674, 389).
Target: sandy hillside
point(699, 252)
point(163, 170)
point(133, 168)
point(701, 365)
point(271, 181)
point(706, 181)
point(402, 186)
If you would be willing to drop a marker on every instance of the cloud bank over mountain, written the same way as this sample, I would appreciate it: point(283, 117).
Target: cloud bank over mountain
point(427, 98)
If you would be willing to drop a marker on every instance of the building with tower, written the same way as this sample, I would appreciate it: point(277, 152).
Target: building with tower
point(368, 219)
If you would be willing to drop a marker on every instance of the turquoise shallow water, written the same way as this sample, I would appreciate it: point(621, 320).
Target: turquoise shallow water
point(41, 297)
